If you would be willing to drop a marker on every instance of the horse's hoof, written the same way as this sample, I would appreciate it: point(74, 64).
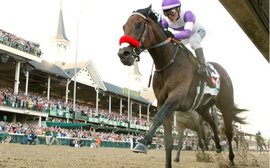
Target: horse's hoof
point(140, 148)
point(232, 163)
point(176, 160)
point(218, 150)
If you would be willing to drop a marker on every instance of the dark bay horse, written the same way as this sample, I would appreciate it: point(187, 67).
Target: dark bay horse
point(175, 80)
point(194, 122)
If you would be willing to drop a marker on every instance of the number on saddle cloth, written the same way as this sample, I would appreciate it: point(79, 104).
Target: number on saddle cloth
point(213, 74)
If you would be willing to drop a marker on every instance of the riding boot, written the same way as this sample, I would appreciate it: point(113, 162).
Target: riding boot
point(202, 67)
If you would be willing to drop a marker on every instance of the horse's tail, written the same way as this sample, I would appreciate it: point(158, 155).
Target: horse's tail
point(237, 111)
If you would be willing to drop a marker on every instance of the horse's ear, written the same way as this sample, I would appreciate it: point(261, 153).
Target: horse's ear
point(149, 8)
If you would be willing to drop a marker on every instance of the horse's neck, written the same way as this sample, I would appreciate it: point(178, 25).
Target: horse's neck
point(165, 54)
point(162, 55)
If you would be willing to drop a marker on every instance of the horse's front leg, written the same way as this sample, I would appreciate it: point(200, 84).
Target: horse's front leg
point(167, 124)
point(166, 110)
point(180, 130)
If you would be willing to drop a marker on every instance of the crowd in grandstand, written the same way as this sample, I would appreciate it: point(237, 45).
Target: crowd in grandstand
point(77, 136)
point(38, 102)
point(52, 134)
point(19, 43)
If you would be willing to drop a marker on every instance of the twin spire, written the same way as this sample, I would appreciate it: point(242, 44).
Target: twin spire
point(60, 40)
point(60, 34)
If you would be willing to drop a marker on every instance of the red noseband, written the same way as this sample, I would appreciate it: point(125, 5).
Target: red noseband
point(130, 40)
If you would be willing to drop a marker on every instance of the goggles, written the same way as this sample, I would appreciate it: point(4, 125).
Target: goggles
point(170, 12)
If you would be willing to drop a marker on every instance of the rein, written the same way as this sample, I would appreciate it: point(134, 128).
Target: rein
point(161, 44)
point(171, 61)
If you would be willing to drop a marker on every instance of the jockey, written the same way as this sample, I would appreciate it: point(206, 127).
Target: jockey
point(187, 29)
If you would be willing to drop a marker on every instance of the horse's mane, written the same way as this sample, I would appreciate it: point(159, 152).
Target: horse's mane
point(148, 12)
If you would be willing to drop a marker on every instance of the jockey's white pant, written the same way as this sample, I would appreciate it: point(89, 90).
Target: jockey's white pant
point(195, 39)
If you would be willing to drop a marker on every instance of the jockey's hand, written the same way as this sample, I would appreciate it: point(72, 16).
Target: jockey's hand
point(176, 41)
point(169, 33)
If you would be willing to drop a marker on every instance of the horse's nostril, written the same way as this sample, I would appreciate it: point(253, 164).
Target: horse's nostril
point(126, 53)
point(123, 53)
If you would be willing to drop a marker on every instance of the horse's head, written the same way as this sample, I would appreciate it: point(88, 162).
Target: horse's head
point(138, 35)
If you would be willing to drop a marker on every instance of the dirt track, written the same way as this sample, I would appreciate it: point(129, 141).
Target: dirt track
point(41, 156)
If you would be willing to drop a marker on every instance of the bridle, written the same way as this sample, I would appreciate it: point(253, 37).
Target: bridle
point(138, 48)
point(137, 51)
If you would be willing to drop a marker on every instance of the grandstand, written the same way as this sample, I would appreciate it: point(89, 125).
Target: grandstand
point(48, 80)
point(36, 91)
point(44, 97)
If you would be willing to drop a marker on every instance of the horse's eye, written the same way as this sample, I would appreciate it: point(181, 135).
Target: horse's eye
point(138, 26)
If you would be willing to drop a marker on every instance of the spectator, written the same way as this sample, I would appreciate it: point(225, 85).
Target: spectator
point(98, 142)
point(76, 142)
point(32, 138)
point(131, 142)
point(48, 136)
point(6, 138)
point(25, 138)
point(54, 137)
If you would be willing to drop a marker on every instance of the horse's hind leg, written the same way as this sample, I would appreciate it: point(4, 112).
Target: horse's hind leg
point(227, 118)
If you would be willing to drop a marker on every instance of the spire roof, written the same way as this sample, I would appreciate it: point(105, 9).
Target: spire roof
point(61, 35)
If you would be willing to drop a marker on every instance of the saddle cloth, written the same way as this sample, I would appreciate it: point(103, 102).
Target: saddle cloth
point(215, 78)
point(203, 88)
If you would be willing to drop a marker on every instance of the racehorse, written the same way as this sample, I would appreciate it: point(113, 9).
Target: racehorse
point(260, 143)
point(244, 144)
point(194, 122)
point(175, 80)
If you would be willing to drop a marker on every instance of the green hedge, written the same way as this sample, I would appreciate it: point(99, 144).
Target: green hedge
point(18, 138)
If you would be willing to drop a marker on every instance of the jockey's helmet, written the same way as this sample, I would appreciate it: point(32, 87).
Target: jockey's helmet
point(170, 4)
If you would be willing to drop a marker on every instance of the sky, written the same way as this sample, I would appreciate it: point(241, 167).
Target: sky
point(100, 24)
